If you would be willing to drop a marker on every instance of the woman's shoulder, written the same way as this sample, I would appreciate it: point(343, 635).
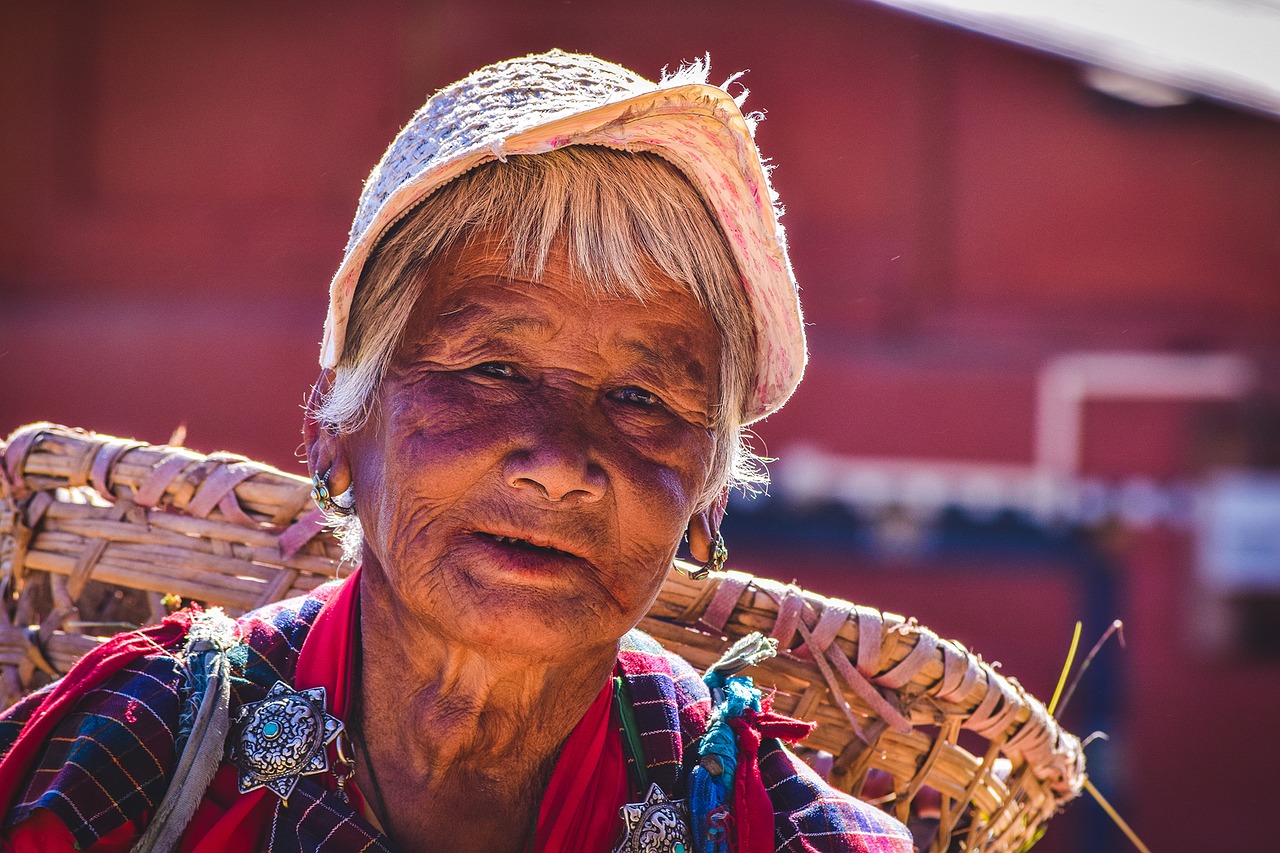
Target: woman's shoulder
point(272, 636)
point(109, 757)
point(809, 814)
point(640, 652)
point(658, 679)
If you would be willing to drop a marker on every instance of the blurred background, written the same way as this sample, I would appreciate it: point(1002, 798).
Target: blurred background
point(1038, 250)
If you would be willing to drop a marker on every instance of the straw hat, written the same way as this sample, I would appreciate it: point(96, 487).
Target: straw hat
point(541, 102)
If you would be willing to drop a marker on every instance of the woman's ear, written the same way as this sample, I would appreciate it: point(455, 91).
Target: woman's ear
point(704, 527)
point(326, 455)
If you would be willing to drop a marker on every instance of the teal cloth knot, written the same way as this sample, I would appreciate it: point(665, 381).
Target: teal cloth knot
point(711, 782)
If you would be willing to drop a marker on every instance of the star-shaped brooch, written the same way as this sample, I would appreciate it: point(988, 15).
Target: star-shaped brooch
point(282, 738)
point(658, 825)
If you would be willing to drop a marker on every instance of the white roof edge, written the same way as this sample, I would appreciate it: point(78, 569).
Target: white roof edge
point(1220, 50)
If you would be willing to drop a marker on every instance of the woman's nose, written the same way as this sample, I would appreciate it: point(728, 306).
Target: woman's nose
point(556, 469)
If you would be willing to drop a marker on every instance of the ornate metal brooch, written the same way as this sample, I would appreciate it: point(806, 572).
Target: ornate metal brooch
point(658, 825)
point(283, 737)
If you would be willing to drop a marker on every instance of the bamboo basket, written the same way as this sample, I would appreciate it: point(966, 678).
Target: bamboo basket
point(97, 534)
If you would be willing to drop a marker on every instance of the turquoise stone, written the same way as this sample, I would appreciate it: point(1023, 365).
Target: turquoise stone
point(271, 729)
point(679, 848)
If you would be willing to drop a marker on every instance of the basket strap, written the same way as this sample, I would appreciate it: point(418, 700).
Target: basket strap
point(870, 624)
point(15, 454)
point(38, 506)
point(900, 676)
point(301, 532)
point(959, 673)
point(79, 475)
point(152, 489)
point(790, 608)
point(867, 691)
point(986, 719)
point(820, 647)
point(89, 559)
point(834, 614)
point(36, 651)
point(220, 486)
point(1033, 737)
point(104, 460)
point(729, 587)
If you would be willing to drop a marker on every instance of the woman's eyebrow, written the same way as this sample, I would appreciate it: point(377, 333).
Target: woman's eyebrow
point(476, 323)
point(675, 359)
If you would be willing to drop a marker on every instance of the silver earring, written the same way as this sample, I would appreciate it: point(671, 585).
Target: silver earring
point(719, 554)
point(343, 504)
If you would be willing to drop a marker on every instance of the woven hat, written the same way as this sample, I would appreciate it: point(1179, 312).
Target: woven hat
point(546, 101)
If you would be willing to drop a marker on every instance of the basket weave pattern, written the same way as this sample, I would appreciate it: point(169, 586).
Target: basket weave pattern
point(95, 530)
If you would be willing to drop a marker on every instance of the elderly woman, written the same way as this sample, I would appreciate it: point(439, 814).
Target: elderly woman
point(564, 295)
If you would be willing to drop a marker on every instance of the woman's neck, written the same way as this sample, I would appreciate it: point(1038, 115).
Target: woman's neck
point(439, 718)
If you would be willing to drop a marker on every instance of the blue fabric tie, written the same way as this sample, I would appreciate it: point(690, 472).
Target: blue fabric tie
point(711, 782)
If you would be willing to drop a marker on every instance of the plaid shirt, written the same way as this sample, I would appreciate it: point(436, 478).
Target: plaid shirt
point(109, 760)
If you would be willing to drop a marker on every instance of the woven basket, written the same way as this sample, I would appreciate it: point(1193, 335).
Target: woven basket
point(96, 531)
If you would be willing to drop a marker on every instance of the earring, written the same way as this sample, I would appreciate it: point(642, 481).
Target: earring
point(343, 504)
point(719, 554)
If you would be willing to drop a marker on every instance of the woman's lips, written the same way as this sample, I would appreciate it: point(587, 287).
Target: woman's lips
point(517, 541)
point(524, 556)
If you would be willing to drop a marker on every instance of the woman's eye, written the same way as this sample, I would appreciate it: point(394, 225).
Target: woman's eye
point(499, 369)
point(638, 397)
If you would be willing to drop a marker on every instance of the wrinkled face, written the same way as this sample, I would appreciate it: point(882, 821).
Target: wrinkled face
point(535, 453)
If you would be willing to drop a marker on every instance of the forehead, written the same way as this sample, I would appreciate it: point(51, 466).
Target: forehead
point(469, 295)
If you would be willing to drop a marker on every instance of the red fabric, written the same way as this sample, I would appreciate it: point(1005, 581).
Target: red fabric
point(90, 672)
point(752, 808)
point(589, 785)
point(42, 832)
point(222, 820)
point(225, 819)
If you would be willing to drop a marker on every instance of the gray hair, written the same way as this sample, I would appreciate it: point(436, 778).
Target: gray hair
point(621, 213)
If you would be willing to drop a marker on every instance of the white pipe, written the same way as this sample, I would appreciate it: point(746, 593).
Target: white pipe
point(1068, 381)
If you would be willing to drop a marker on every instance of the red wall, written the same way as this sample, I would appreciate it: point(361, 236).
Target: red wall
point(178, 179)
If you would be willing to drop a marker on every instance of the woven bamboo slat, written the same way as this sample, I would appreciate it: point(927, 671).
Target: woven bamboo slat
point(95, 530)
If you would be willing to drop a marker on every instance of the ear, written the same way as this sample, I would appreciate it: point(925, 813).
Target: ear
point(326, 454)
point(704, 527)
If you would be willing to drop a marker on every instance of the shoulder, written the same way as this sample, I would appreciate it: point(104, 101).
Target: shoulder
point(656, 676)
point(271, 638)
point(108, 759)
point(810, 815)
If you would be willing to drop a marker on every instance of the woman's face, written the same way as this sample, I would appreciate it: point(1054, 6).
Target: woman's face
point(536, 453)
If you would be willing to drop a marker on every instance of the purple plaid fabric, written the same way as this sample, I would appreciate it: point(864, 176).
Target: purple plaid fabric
point(318, 820)
point(109, 762)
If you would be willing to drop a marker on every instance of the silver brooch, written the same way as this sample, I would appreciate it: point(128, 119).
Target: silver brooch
point(283, 738)
point(658, 825)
